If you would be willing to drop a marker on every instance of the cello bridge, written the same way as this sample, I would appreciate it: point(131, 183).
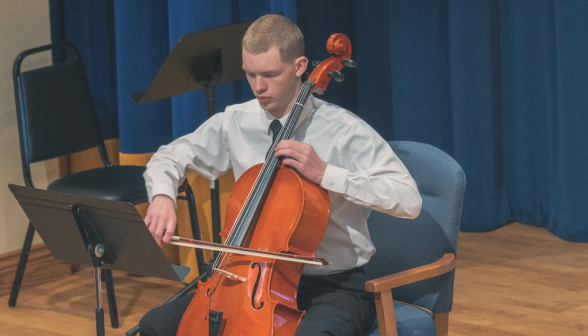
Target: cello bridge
point(229, 275)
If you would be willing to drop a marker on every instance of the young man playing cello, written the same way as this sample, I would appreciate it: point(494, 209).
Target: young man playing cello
point(331, 147)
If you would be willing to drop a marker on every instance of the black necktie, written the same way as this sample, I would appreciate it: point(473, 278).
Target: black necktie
point(276, 127)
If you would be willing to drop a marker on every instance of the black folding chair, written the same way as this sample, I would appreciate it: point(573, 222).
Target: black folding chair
point(56, 116)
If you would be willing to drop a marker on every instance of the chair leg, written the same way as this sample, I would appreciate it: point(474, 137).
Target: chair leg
point(386, 314)
point(195, 227)
point(24, 256)
point(441, 323)
point(111, 297)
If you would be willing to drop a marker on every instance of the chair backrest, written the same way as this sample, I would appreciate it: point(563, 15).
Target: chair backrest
point(55, 108)
point(403, 244)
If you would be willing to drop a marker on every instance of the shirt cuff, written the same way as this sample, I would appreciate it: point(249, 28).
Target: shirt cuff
point(164, 189)
point(335, 179)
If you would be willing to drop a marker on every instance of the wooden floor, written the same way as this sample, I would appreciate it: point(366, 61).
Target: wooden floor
point(517, 280)
point(520, 280)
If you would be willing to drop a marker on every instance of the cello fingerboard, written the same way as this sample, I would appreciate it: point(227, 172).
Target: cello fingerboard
point(254, 204)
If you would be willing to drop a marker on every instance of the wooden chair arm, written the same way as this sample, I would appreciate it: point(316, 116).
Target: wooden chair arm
point(441, 266)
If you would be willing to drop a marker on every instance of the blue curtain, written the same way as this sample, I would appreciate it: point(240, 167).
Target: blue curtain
point(499, 85)
point(90, 27)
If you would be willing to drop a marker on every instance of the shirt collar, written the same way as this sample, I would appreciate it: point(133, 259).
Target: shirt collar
point(269, 117)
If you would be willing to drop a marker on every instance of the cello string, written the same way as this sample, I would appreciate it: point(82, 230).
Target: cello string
point(263, 178)
point(264, 170)
point(289, 125)
point(267, 172)
point(265, 175)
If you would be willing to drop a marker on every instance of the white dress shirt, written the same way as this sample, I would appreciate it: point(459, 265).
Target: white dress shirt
point(362, 174)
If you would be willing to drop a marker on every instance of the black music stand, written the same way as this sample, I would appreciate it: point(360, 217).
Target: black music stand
point(199, 60)
point(97, 232)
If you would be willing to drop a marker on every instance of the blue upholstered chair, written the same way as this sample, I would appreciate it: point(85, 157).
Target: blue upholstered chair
point(412, 272)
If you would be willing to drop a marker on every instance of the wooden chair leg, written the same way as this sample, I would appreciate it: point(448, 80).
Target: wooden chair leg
point(441, 323)
point(386, 314)
point(24, 257)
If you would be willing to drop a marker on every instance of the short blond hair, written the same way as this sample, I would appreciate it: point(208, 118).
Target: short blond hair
point(274, 31)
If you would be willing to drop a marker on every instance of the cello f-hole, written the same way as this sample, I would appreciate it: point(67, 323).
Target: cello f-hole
point(255, 287)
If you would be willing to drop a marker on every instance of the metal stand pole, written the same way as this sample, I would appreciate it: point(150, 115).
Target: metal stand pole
point(96, 255)
point(209, 92)
point(209, 76)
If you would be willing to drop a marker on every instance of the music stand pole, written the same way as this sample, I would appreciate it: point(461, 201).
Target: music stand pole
point(209, 92)
point(98, 252)
point(209, 75)
point(99, 310)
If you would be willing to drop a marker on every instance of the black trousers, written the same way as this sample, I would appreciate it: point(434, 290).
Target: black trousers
point(335, 304)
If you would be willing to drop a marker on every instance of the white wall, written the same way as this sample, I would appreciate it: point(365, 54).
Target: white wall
point(24, 24)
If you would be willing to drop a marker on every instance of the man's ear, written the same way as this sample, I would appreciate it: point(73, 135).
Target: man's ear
point(300, 64)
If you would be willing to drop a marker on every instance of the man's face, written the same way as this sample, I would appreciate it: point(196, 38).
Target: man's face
point(274, 83)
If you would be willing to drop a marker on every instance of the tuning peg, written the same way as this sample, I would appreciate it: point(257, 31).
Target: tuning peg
point(336, 75)
point(349, 63)
point(315, 63)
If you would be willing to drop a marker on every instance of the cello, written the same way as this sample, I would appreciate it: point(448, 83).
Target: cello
point(276, 212)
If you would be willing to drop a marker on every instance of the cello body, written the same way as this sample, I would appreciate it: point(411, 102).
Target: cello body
point(293, 219)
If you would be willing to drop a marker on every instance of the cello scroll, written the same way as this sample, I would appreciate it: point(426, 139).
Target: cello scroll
point(340, 46)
